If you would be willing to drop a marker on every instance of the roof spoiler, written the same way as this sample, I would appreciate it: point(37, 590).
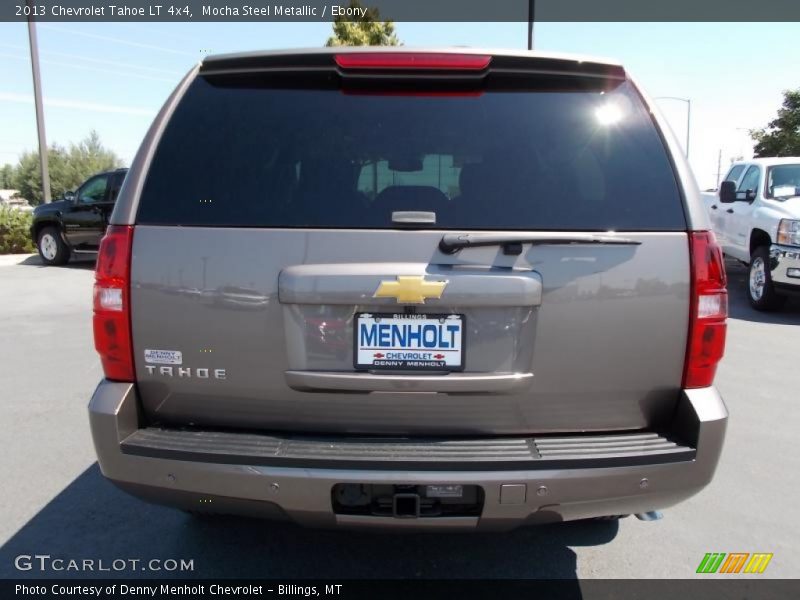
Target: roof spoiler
point(384, 62)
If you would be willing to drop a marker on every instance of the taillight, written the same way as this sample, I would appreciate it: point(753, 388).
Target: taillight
point(708, 310)
point(112, 309)
point(412, 60)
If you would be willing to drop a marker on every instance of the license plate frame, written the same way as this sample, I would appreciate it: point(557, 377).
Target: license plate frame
point(411, 365)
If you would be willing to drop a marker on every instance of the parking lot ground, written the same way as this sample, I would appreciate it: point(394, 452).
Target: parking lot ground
point(56, 502)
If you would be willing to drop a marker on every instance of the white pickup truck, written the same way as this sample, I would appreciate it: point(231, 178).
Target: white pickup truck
point(756, 218)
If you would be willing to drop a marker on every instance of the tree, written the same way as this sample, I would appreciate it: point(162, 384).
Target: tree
point(28, 179)
point(781, 137)
point(6, 176)
point(366, 30)
point(68, 167)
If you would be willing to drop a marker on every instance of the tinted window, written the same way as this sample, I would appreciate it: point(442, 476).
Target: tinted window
point(93, 190)
point(750, 180)
point(783, 181)
point(734, 173)
point(243, 154)
point(116, 184)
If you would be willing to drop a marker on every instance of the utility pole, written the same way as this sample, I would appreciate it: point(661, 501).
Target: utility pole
point(719, 166)
point(688, 102)
point(205, 263)
point(688, 124)
point(37, 98)
point(531, 16)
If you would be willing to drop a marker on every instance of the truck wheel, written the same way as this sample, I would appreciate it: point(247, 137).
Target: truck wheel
point(760, 290)
point(51, 247)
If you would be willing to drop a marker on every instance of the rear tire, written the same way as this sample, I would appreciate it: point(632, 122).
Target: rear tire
point(51, 247)
point(760, 289)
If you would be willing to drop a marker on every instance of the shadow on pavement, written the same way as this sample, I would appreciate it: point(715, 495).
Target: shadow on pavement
point(739, 306)
point(93, 519)
point(81, 262)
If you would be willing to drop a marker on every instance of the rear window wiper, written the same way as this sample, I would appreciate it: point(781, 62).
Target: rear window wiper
point(512, 242)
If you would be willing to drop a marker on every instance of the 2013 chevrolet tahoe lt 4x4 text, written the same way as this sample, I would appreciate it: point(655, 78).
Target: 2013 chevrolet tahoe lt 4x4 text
point(408, 288)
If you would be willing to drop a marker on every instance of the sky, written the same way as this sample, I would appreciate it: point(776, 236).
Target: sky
point(113, 77)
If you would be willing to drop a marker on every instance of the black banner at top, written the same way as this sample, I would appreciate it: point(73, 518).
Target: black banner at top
point(400, 10)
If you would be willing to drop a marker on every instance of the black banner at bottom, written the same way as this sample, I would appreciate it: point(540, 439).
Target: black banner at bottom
point(751, 588)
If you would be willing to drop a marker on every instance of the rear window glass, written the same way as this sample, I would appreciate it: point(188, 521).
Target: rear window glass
point(783, 181)
point(239, 154)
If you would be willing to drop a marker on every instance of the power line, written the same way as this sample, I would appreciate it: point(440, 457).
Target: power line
point(98, 60)
point(95, 69)
point(139, 28)
point(79, 105)
point(117, 40)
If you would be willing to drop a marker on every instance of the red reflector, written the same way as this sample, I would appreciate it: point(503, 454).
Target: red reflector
point(413, 60)
point(112, 324)
point(707, 312)
point(415, 94)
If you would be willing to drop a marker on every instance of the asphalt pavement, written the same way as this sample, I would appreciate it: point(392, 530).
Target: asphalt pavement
point(55, 501)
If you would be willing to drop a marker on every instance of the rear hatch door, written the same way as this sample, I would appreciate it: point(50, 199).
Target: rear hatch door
point(498, 248)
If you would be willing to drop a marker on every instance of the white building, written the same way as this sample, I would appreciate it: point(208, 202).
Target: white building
point(13, 199)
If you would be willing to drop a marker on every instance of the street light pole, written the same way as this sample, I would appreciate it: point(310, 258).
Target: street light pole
point(531, 15)
point(37, 99)
point(688, 102)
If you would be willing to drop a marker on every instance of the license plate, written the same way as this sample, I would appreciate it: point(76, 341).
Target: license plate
point(409, 342)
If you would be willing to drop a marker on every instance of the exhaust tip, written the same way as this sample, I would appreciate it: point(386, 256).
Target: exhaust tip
point(653, 515)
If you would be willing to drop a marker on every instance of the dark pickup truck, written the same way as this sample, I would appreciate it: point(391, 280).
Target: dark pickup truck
point(76, 223)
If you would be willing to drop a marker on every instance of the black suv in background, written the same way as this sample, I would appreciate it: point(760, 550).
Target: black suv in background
point(76, 223)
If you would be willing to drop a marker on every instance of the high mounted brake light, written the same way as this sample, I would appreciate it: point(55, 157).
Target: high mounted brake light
point(707, 312)
point(112, 323)
point(414, 93)
point(413, 60)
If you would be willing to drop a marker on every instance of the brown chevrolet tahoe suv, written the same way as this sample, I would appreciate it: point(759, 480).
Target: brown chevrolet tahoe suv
point(409, 288)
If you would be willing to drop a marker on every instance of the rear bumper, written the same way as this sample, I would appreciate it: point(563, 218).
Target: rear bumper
point(785, 266)
point(551, 479)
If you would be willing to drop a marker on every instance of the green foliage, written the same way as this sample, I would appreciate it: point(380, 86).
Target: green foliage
point(781, 137)
point(68, 168)
point(15, 233)
point(368, 30)
point(6, 174)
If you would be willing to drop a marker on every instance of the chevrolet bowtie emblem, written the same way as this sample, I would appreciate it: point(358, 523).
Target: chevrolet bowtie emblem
point(410, 289)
